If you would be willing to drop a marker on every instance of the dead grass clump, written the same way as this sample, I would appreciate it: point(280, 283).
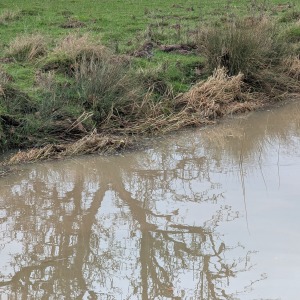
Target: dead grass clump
point(70, 50)
point(45, 80)
point(93, 143)
point(292, 65)
point(276, 83)
point(165, 123)
point(5, 78)
point(9, 16)
point(77, 46)
point(96, 143)
point(219, 95)
point(35, 154)
point(27, 47)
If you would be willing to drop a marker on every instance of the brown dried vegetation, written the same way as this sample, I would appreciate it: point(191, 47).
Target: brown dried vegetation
point(28, 47)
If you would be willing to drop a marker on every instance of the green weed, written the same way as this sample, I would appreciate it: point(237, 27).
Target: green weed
point(290, 16)
point(293, 34)
point(106, 85)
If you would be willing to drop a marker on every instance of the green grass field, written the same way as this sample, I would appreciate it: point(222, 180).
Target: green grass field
point(43, 83)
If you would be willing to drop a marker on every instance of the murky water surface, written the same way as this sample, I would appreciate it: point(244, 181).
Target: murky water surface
point(205, 214)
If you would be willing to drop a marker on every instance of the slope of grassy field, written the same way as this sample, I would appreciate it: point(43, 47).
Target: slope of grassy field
point(72, 69)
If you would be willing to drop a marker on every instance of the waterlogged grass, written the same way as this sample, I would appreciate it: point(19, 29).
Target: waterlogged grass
point(71, 69)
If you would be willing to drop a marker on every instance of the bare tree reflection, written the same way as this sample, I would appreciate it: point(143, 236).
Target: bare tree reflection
point(117, 230)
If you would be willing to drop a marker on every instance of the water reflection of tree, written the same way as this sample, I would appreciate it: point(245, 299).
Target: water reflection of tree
point(68, 251)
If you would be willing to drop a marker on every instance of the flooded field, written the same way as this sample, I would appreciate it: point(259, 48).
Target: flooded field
point(204, 214)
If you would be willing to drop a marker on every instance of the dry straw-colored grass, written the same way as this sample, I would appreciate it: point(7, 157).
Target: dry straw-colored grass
point(4, 79)
point(92, 143)
point(27, 47)
point(292, 65)
point(9, 15)
point(76, 46)
point(45, 80)
point(219, 95)
point(206, 101)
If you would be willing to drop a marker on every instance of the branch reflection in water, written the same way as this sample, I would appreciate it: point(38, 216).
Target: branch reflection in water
point(116, 228)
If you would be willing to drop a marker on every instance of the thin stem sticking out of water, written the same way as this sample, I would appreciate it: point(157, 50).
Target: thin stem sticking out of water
point(243, 182)
point(278, 157)
point(260, 167)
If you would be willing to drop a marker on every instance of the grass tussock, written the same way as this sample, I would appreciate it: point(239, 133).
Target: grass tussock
point(105, 85)
point(217, 96)
point(292, 34)
point(292, 65)
point(99, 93)
point(9, 16)
point(71, 49)
point(5, 78)
point(28, 47)
point(76, 46)
point(242, 47)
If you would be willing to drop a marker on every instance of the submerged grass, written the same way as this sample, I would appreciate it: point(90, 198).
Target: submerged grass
point(89, 88)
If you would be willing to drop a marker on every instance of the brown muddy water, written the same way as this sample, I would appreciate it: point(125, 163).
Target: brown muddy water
point(204, 214)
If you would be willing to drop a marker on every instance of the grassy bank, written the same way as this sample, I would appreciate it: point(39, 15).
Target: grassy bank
point(79, 77)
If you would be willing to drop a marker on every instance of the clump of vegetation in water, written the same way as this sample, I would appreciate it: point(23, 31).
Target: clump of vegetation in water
point(79, 78)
